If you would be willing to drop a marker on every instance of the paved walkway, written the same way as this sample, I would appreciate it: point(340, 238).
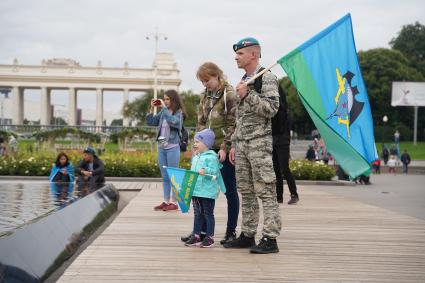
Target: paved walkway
point(326, 238)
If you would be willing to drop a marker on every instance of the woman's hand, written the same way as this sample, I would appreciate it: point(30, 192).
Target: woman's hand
point(232, 155)
point(222, 155)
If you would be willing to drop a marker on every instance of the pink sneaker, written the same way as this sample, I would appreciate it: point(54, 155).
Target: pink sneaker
point(208, 242)
point(171, 206)
point(161, 206)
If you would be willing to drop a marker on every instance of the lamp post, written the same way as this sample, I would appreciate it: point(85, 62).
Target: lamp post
point(384, 120)
point(156, 36)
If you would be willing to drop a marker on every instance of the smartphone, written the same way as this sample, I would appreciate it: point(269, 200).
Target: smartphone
point(157, 102)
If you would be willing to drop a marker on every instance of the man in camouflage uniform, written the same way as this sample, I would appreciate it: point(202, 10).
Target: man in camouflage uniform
point(252, 152)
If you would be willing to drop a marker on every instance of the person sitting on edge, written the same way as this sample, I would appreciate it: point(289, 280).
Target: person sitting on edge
point(205, 161)
point(90, 169)
point(62, 170)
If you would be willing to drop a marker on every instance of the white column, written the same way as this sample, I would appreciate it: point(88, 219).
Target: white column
point(18, 105)
point(99, 107)
point(72, 107)
point(125, 121)
point(45, 109)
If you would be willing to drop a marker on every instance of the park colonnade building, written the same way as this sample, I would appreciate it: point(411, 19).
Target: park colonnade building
point(69, 74)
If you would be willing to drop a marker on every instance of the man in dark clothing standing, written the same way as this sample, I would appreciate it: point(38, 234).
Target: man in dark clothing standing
point(311, 153)
point(281, 143)
point(405, 159)
point(90, 170)
point(385, 154)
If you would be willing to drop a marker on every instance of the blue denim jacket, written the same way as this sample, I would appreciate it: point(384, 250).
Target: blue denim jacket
point(175, 121)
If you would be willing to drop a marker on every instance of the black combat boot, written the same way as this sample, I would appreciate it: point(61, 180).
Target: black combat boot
point(230, 236)
point(265, 246)
point(294, 199)
point(242, 242)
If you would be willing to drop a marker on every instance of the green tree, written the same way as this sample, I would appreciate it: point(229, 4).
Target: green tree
point(139, 108)
point(117, 122)
point(191, 102)
point(411, 42)
point(301, 121)
point(380, 67)
point(58, 121)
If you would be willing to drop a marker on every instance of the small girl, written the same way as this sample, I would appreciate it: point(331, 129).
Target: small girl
point(392, 164)
point(205, 161)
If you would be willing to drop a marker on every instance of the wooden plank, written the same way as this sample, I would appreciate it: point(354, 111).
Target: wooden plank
point(325, 238)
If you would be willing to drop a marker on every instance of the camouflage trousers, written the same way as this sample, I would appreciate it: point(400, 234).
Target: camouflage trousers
point(255, 179)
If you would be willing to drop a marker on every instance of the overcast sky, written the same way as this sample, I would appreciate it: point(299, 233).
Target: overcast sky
point(197, 31)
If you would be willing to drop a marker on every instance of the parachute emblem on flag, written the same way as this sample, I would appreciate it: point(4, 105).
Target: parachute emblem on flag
point(347, 108)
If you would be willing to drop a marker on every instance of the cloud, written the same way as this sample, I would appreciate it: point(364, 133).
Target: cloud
point(198, 31)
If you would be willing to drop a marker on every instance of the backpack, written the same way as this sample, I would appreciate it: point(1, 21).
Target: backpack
point(280, 122)
point(184, 139)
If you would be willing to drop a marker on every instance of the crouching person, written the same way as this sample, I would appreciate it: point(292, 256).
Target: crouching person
point(90, 170)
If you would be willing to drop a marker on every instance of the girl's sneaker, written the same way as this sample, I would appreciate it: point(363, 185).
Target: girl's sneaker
point(193, 241)
point(208, 242)
point(170, 207)
point(161, 206)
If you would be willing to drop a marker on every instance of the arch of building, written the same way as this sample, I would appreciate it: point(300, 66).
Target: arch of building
point(69, 74)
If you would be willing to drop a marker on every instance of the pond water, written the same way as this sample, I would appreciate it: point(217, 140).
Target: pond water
point(23, 202)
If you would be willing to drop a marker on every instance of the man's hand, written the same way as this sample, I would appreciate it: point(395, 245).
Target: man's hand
point(241, 89)
point(86, 173)
point(232, 155)
point(222, 155)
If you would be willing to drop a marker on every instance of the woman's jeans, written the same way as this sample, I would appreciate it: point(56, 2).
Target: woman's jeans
point(229, 178)
point(170, 158)
point(203, 210)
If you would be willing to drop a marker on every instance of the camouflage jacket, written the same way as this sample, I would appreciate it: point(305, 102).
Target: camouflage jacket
point(222, 117)
point(254, 112)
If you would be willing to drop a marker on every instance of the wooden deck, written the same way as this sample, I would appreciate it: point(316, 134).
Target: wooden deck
point(325, 238)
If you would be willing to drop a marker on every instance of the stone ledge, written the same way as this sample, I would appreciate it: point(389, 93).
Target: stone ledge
point(153, 179)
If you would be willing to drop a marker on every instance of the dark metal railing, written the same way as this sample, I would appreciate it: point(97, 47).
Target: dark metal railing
point(29, 129)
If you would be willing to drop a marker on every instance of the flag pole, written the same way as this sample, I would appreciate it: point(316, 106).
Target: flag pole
point(208, 175)
point(251, 80)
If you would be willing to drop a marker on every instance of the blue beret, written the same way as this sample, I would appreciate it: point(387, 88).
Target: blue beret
point(245, 42)
point(89, 150)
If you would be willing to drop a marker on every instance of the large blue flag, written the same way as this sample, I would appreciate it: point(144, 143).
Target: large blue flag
point(326, 73)
point(183, 183)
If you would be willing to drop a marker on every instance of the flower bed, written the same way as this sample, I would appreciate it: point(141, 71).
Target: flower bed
point(136, 164)
point(307, 170)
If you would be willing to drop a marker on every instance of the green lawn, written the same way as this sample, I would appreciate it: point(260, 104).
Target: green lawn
point(416, 152)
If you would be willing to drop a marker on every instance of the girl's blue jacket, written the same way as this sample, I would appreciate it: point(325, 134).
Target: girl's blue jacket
point(56, 169)
point(206, 186)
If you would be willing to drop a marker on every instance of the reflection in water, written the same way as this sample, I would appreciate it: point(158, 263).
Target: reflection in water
point(23, 202)
point(34, 250)
point(62, 192)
